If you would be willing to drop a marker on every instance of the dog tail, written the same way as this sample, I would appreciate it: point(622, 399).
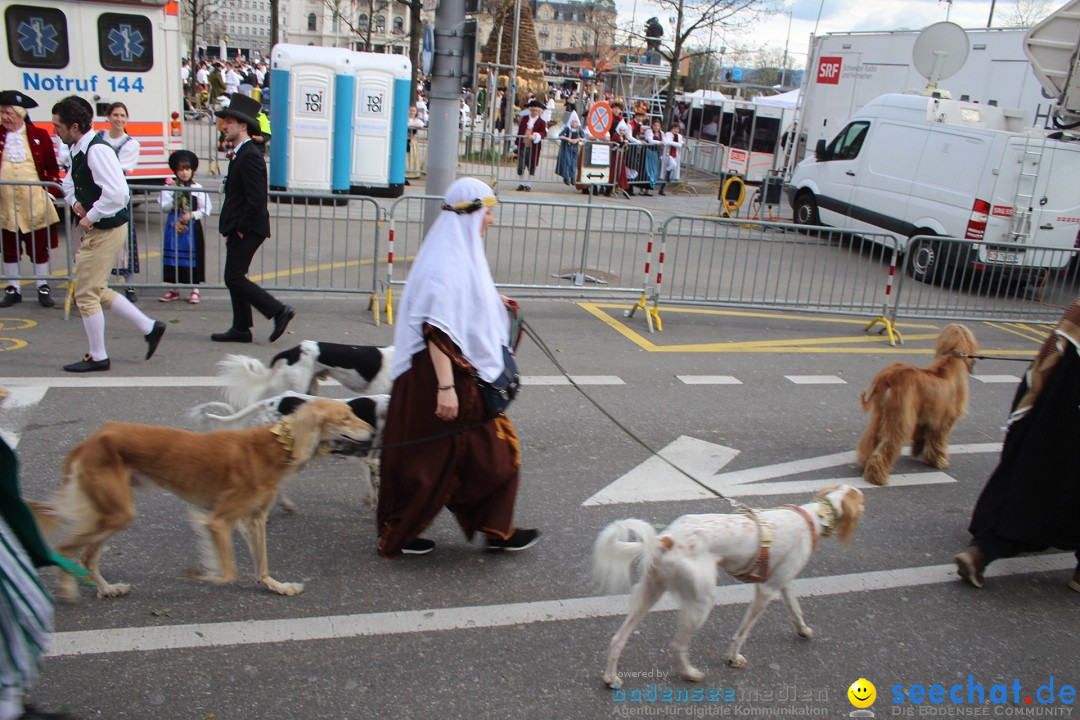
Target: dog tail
point(48, 517)
point(866, 397)
point(618, 547)
point(246, 379)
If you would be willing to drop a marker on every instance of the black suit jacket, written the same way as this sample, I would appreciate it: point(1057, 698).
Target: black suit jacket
point(244, 209)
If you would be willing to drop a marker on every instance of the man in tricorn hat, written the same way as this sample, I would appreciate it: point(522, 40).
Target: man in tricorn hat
point(245, 223)
point(531, 131)
point(29, 219)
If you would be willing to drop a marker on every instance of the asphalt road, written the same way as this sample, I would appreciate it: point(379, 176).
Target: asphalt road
point(464, 634)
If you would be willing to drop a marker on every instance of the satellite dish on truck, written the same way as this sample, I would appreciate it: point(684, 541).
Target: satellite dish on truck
point(1051, 46)
point(940, 51)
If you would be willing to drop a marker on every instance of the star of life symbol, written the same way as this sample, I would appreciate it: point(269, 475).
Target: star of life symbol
point(126, 43)
point(38, 37)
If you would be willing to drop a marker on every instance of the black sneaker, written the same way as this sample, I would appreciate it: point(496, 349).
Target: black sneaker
point(129, 293)
point(520, 540)
point(419, 546)
point(11, 297)
point(44, 297)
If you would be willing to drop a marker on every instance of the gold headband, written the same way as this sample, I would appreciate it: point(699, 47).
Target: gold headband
point(471, 206)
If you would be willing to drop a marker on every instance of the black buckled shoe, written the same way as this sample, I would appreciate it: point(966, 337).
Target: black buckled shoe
point(153, 338)
point(232, 335)
point(44, 297)
point(281, 321)
point(88, 364)
point(520, 540)
point(11, 297)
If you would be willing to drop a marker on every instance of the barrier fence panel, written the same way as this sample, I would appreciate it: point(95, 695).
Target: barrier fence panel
point(957, 279)
point(201, 138)
point(718, 261)
point(544, 248)
point(324, 243)
point(22, 207)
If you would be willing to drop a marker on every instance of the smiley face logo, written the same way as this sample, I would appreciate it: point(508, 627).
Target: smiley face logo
point(862, 693)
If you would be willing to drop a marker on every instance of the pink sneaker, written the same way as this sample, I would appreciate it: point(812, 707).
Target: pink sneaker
point(194, 298)
point(169, 296)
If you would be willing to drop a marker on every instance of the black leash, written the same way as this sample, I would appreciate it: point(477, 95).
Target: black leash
point(995, 357)
point(551, 356)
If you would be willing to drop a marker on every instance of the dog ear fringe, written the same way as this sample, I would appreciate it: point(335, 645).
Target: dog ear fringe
point(851, 508)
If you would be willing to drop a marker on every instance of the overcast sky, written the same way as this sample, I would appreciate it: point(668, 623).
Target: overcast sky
point(838, 16)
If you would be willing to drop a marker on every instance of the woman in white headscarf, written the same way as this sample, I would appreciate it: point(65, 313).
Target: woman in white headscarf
point(439, 447)
point(570, 137)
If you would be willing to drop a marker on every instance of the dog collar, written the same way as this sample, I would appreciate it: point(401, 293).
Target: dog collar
point(828, 514)
point(282, 432)
point(809, 522)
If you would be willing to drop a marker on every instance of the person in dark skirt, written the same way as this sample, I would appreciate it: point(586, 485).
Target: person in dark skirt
point(183, 253)
point(1032, 500)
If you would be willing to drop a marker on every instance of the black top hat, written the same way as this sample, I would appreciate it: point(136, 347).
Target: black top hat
point(16, 99)
point(537, 104)
point(179, 156)
point(244, 109)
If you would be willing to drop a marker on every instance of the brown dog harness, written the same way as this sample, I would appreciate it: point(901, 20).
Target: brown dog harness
point(758, 569)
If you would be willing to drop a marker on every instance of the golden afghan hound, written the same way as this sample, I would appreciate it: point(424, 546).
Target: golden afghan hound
point(917, 404)
point(232, 475)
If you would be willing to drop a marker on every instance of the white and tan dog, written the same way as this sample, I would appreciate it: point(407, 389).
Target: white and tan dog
point(767, 547)
point(232, 475)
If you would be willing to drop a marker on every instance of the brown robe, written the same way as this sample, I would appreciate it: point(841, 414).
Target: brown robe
point(469, 465)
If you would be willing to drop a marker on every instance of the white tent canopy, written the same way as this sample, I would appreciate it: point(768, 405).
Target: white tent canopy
point(702, 97)
point(789, 99)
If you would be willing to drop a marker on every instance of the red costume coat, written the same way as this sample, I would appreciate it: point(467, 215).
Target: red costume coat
point(526, 142)
point(42, 150)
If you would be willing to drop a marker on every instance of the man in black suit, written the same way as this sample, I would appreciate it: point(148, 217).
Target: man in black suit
point(245, 223)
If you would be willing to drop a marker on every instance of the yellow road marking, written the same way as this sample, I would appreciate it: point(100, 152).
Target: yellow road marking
point(16, 344)
point(312, 268)
point(1024, 330)
point(805, 345)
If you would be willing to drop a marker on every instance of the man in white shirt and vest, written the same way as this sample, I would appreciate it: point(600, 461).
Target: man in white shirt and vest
point(97, 191)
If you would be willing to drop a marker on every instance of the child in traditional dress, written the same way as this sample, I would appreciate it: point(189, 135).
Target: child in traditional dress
point(184, 248)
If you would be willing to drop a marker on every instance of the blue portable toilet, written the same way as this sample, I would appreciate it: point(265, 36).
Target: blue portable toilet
point(380, 124)
point(312, 90)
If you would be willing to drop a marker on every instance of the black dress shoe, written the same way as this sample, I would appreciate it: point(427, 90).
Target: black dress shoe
point(419, 546)
point(129, 293)
point(88, 364)
point(11, 296)
point(32, 713)
point(153, 338)
point(44, 297)
point(281, 321)
point(232, 335)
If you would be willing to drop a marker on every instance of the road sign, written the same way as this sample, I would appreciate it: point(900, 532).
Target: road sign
point(595, 164)
point(600, 120)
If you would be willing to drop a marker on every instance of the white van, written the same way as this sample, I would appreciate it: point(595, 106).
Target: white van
point(915, 165)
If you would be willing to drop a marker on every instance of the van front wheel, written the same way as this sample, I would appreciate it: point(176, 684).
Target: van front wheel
point(924, 256)
point(806, 210)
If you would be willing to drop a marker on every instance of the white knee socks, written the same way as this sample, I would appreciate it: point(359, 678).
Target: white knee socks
point(41, 269)
point(95, 334)
point(123, 307)
point(10, 271)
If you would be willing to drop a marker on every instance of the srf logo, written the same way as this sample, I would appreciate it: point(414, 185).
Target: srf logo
point(828, 70)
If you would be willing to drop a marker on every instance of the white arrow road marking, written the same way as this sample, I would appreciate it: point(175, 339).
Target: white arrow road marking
point(816, 380)
point(307, 629)
point(15, 410)
point(996, 378)
point(654, 480)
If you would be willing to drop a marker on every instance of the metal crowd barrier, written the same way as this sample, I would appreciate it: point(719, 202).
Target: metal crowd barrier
point(318, 242)
point(965, 280)
point(766, 265)
point(201, 138)
point(542, 248)
point(60, 258)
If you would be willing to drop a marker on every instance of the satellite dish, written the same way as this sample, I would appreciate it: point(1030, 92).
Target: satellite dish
point(940, 51)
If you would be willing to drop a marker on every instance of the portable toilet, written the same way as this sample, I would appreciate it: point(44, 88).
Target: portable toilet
point(380, 124)
point(311, 117)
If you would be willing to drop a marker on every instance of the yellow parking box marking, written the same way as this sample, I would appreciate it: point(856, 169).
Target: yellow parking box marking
point(802, 345)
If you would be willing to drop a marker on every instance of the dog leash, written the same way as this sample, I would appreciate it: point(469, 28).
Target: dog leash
point(994, 357)
point(535, 337)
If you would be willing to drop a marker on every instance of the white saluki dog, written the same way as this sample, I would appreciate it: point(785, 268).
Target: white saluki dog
point(766, 547)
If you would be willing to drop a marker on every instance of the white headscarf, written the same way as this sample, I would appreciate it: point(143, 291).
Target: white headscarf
point(573, 119)
point(450, 287)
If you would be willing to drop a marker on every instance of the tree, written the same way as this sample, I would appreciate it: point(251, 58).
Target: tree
point(275, 21)
point(705, 67)
point(691, 18)
point(1026, 13)
point(598, 32)
point(201, 12)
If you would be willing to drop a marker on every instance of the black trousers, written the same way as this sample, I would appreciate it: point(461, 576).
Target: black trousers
point(238, 254)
